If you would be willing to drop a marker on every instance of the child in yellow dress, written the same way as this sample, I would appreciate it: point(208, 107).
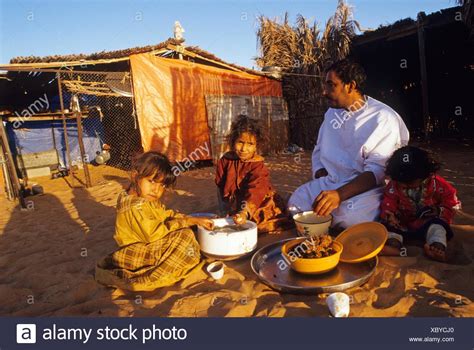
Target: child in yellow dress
point(156, 246)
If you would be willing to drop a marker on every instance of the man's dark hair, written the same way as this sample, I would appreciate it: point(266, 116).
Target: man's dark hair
point(411, 163)
point(348, 70)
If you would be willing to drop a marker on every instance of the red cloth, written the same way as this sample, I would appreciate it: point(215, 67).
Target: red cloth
point(246, 185)
point(170, 100)
point(436, 192)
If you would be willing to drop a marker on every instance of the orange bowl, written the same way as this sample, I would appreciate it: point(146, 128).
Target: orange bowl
point(362, 241)
point(311, 266)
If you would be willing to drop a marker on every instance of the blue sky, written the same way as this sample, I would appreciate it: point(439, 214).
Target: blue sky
point(225, 28)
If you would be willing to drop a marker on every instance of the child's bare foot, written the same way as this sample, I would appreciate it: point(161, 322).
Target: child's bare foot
point(392, 247)
point(435, 251)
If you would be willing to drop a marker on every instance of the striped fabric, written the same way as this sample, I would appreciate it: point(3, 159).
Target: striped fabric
point(147, 266)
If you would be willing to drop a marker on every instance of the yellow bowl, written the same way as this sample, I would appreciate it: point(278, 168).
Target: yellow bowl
point(311, 266)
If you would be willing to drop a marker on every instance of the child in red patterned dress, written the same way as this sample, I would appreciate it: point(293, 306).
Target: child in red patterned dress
point(417, 203)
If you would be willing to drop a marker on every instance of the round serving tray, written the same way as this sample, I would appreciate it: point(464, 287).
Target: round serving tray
point(271, 267)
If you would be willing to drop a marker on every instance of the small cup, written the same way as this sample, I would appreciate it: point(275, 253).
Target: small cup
point(37, 189)
point(338, 304)
point(216, 269)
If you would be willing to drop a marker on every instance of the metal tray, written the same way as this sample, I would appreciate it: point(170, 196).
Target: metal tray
point(268, 264)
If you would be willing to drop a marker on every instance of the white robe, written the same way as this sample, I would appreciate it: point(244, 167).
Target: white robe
point(350, 143)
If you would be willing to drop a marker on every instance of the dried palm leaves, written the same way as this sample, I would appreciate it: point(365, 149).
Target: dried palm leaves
point(303, 51)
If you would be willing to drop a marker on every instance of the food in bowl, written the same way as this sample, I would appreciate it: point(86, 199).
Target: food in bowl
point(299, 254)
point(230, 228)
point(310, 224)
point(321, 247)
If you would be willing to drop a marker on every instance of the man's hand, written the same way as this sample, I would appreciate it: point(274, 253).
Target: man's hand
point(320, 173)
point(326, 202)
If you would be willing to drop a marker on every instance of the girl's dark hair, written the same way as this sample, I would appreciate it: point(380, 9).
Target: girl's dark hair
point(245, 124)
point(411, 163)
point(153, 163)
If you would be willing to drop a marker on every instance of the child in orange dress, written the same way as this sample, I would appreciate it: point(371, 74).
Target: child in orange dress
point(243, 180)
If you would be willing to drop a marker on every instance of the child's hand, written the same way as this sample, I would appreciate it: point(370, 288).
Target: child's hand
point(240, 218)
point(208, 224)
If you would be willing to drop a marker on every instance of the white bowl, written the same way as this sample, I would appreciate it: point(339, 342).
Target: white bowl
point(227, 245)
point(310, 224)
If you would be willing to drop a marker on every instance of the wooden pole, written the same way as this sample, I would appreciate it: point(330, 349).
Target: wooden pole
point(17, 187)
point(424, 76)
point(6, 175)
point(82, 148)
point(66, 139)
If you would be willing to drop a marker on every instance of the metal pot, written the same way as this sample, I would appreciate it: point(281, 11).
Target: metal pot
point(225, 245)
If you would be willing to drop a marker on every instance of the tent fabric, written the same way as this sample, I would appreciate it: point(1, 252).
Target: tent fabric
point(171, 107)
point(36, 136)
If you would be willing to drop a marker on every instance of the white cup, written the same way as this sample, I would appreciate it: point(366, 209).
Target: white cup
point(216, 269)
point(338, 304)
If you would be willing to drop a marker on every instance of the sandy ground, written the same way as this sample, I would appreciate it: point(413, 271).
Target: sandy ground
point(47, 256)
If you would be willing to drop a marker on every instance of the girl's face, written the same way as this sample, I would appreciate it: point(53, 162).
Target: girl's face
point(150, 189)
point(245, 146)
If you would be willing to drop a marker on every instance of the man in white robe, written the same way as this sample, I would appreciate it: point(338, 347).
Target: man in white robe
point(355, 140)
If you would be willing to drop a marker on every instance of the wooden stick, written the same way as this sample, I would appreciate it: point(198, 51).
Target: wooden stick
point(6, 176)
point(424, 77)
point(66, 138)
point(82, 148)
point(192, 54)
point(17, 187)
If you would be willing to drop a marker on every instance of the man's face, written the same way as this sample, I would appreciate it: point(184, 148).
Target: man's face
point(335, 91)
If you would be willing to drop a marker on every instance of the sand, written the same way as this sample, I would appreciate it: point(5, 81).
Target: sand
point(47, 256)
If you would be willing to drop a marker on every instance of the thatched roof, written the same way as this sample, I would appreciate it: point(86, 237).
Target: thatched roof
point(408, 26)
point(119, 55)
point(92, 57)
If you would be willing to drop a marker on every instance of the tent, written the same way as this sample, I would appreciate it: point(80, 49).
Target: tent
point(182, 109)
point(184, 98)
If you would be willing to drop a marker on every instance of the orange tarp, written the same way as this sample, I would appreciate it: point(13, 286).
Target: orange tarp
point(170, 102)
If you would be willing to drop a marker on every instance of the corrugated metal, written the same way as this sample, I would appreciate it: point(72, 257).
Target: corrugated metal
point(222, 109)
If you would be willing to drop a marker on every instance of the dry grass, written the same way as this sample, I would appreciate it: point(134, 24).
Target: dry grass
point(303, 51)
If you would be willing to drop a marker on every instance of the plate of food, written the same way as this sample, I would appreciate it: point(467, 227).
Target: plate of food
point(274, 269)
point(312, 255)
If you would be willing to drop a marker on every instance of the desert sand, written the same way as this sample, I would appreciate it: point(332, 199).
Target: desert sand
point(48, 255)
